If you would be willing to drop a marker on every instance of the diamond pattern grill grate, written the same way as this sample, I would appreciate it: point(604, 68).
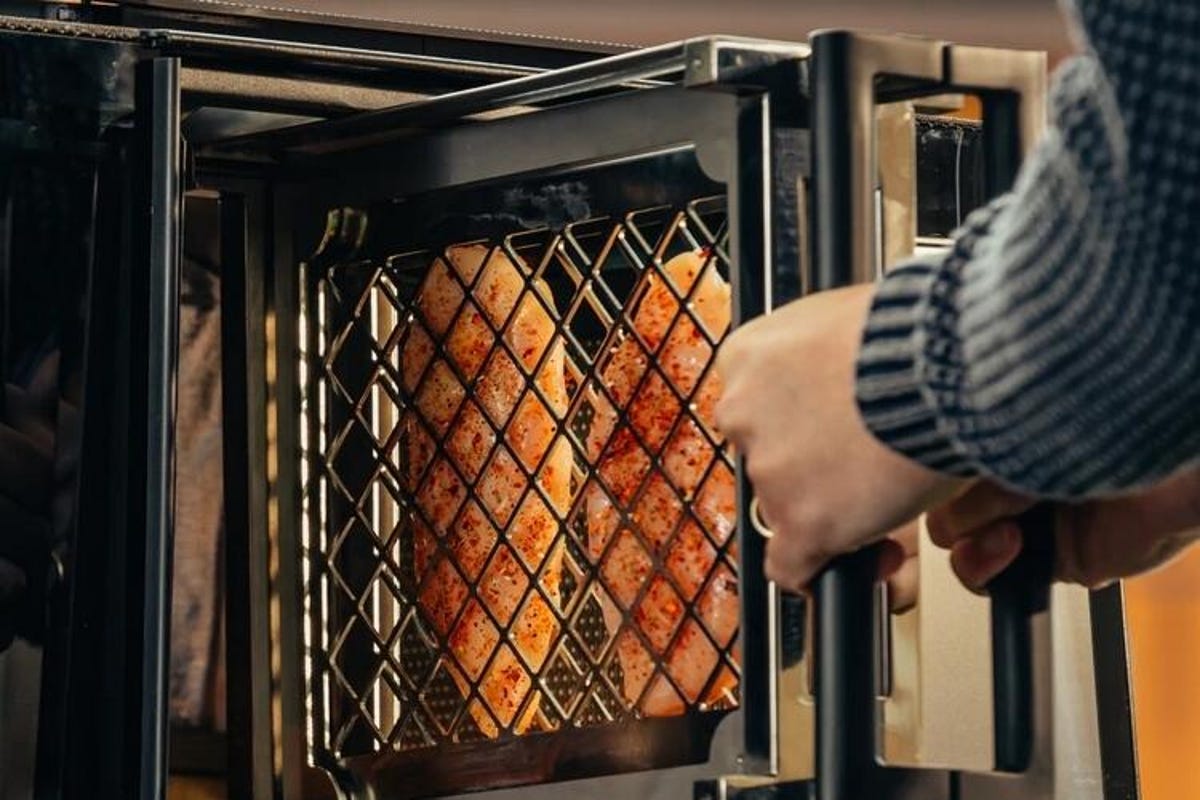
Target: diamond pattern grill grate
point(518, 516)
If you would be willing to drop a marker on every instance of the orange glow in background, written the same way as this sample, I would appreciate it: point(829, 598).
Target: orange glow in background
point(1163, 612)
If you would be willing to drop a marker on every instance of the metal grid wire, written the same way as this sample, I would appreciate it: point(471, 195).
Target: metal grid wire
point(457, 588)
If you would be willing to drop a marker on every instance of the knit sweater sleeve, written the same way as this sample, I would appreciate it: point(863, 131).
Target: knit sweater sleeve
point(1056, 346)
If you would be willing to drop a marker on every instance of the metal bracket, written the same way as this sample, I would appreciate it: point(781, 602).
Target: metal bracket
point(731, 62)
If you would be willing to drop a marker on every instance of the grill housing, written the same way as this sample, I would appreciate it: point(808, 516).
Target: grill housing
point(386, 692)
point(689, 122)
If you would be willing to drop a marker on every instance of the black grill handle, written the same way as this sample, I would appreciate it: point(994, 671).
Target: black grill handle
point(849, 73)
point(844, 605)
point(1012, 90)
point(1018, 593)
point(844, 69)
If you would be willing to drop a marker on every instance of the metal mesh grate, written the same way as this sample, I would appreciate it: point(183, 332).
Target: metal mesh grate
point(519, 516)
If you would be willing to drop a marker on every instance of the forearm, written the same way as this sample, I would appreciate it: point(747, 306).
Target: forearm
point(1056, 348)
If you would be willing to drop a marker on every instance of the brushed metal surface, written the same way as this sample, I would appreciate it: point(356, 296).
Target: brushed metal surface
point(1078, 773)
point(939, 713)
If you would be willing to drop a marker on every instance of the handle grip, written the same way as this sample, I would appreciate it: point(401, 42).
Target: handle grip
point(1019, 592)
point(844, 601)
point(843, 92)
point(845, 83)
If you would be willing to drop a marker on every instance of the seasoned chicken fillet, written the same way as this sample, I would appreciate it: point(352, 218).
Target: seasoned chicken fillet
point(663, 500)
point(476, 433)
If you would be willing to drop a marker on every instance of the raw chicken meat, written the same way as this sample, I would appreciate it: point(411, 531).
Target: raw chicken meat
point(474, 493)
point(665, 494)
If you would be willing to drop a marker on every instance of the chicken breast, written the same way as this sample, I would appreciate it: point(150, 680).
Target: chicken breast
point(489, 473)
point(662, 501)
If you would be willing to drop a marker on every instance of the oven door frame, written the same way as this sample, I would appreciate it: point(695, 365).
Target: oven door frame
point(725, 112)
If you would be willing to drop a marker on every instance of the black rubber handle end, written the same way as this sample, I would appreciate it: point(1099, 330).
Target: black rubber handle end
point(844, 597)
point(1021, 591)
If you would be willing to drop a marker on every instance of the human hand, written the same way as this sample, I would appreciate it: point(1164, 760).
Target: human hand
point(825, 485)
point(899, 565)
point(1096, 542)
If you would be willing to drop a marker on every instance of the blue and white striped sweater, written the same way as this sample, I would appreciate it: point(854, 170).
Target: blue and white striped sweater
point(1056, 347)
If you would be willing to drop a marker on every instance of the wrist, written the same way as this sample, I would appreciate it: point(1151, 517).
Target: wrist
point(895, 399)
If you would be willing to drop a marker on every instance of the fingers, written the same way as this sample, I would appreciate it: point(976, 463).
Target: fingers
point(985, 554)
point(1096, 542)
point(979, 530)
point(891, 558)
point(908, 537)
point(791, 563)
point(904, 586)
point(732, 417)
point(734, 348)
point(793, 568)
point(898, 566)
point(983, 503)
point(900, 570)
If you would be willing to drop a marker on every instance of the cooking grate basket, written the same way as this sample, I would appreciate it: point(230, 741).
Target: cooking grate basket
point(459, 587)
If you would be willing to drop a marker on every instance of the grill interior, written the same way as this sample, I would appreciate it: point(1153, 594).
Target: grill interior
point(518, 518)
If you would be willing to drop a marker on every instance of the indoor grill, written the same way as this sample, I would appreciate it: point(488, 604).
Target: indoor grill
point(481, 532)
